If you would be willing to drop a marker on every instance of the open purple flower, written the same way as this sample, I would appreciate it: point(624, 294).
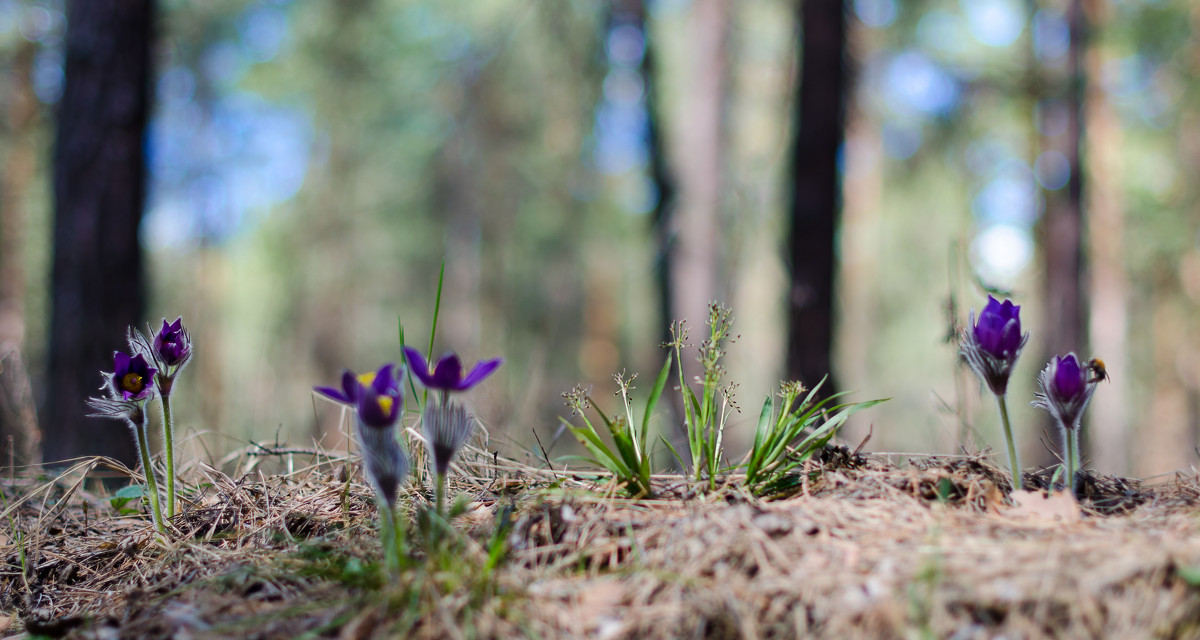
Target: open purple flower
point(991, 345)
point(379, 397)
point(378, 400)
point(128, 388)
point(447, 373)
point(132, 379)
point(376, 395)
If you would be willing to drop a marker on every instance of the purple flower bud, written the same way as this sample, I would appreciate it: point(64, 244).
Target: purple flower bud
point(169, 349)
point(132, 380)
point(999, 328)
point(173, 344)
point(447, 373)
point(1070, 379)
point(991, 345)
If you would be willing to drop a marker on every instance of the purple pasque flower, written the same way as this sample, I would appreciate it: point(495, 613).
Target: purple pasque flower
point(447, 428)
point(170, 349)
point(447, 373)
point(376, 394)
point(1065, 389)
point(379, 398)
point(992, 344)
point(173, 344)
point(132, 379)
point(999, 328)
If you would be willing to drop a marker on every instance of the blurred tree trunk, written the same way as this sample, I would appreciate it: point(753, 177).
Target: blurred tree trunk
point(1108, 316)
point(820, 109)
point(1064, 324)
point(633, 12)
point(696, 258)
point(19, 437)
point(99, 192)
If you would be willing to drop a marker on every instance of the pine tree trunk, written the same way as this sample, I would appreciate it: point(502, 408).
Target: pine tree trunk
point(816, 190)
point(99, 193)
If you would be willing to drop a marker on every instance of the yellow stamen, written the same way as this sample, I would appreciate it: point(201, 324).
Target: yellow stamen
point(132, 383)
point(385, 404)
point(366, 378)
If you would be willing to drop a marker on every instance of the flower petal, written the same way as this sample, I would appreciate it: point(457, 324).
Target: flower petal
point(350, 385)
point(446, 374)
point(479, 372)
point(417, 364)
point(385, 379)
point(334, 394)
point(121, 360)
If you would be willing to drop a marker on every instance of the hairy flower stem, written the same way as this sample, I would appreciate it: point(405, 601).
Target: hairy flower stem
point(441, 494)
point(391, 538)
point(169, 448)
point(148, 469)
point(1014, 460)
point(1071, 455)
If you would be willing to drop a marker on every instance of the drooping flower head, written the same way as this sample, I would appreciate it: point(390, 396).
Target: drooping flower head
point(447, 428)
point(991, 345)
point(447, 373)
point(1065, 389)
point(132, 379)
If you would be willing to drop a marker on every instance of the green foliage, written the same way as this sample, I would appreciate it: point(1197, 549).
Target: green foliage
point(328, 562)
point(705, 416)
point(629, 457)
point(789, 432)
point(120, 501)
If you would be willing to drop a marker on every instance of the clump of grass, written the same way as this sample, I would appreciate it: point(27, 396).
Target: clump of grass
point(790, 431)
point(629, 458)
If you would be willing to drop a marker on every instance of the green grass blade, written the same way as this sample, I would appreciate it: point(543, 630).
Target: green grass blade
point(659, 385)
point(412, 386)
point(437, 309)
point(761, 436)
point(671, 448)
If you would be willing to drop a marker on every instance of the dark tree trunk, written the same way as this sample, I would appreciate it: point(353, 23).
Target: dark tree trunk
point(99, 191)
point(816, 190)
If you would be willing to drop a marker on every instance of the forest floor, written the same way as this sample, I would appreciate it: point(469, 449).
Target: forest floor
point(868, 546)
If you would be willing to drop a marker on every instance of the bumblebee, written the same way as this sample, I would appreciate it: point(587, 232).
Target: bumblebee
point(1098, 370)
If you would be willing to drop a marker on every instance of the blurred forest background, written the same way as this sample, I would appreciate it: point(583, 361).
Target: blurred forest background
point(584, 167)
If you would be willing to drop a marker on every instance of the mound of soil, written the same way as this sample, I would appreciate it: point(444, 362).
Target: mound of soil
point(863, 547)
